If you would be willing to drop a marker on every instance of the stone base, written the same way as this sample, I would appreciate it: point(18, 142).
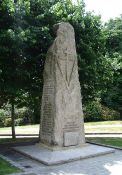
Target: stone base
point(49, 157)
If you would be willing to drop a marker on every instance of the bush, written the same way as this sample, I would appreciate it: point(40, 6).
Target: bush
point(94, 111)
point(109, 114)
point(3, 116)
point(7, 122)
point(23, 116)
point(19, 122)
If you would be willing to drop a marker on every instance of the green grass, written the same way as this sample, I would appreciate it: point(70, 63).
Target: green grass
point(104, 130)
point(7, 168)
point(89, 127)
point(28, 129)
point(104, 123)
point(117, 142)
point(104, 127)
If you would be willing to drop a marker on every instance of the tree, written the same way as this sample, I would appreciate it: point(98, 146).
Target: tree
point(11, 60)
point(26, 37)
point(90, 44)
point(113, 32)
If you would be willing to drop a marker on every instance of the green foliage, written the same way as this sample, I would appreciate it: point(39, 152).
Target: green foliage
point(2, 115)
point(94, 111)
point(11, 71)
point(109, 114)
point(112, 97)
point(29, 35)
point(113, 32)
point(5, 116)
point(26, 32)
point(23, 116)
point(7, 122)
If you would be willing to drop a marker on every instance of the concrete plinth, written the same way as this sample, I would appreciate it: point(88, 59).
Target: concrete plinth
point(49, 157)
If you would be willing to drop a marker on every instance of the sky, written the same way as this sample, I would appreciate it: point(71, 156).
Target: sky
point(106, 8)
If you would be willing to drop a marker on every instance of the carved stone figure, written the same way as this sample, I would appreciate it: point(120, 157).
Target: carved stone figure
point(61, 112)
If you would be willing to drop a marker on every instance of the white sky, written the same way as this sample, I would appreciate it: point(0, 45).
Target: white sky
point(106, 8)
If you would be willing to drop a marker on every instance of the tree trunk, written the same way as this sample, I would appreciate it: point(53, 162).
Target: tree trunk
point(13, 119)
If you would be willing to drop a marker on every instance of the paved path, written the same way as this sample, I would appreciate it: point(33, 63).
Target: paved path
point(110, 164)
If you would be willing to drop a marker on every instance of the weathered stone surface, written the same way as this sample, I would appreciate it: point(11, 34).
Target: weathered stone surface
point(61, 113)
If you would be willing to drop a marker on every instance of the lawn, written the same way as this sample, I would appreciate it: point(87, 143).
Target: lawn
point(7, 168)
point(90, 127)
point(28, 129)
point(104, 127)
point(117, 142)
point(118, 122)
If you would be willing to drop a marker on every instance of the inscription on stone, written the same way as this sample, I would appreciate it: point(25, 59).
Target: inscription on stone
point(47, 121)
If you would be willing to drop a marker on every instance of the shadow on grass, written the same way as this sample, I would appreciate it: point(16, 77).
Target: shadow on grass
point(18, 140)
point(109, 141)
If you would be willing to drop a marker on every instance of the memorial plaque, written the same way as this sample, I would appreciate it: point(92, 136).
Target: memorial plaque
point(71, 138)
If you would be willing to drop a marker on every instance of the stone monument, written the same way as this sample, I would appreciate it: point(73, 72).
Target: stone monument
point(62, 129)
point(61, 113)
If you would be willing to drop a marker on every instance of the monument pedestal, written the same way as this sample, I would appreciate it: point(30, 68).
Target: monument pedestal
point(53, 157)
